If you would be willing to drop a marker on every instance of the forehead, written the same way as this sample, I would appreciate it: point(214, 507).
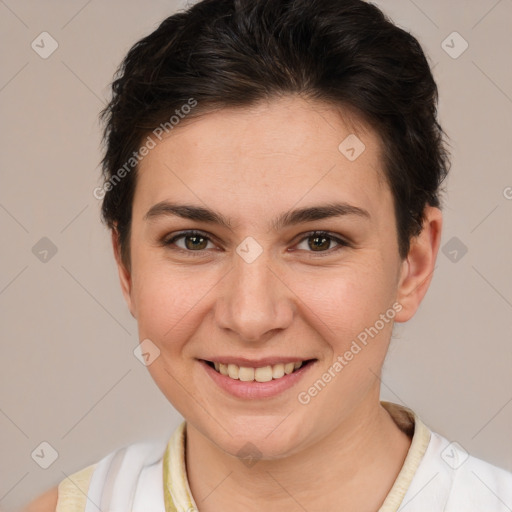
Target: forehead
point(249, 162)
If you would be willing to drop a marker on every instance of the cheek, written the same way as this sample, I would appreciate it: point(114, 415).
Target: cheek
point(352, 311)
point(170, 304)
point(166, 302)
point(343, 302)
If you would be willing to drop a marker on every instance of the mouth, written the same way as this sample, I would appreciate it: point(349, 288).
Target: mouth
point(266, 373)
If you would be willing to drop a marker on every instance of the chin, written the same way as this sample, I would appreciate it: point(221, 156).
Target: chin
point(263, 438)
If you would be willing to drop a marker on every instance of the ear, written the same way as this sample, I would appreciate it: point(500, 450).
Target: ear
point(124, 273)
point(418, 268)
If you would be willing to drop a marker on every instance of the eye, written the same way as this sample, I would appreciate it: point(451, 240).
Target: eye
point(320, 241)
point(193, 241)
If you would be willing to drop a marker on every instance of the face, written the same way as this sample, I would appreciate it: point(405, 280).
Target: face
point(261, 288)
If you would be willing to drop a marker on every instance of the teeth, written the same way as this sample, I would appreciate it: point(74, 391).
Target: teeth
point(277, 371)
point(288, 368)
point(246, 374)
point(233, 371)
point(263, 374)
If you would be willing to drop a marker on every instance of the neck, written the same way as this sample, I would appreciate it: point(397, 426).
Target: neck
point(353, 468)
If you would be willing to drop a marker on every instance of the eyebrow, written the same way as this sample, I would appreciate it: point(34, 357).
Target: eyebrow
point(291, 218)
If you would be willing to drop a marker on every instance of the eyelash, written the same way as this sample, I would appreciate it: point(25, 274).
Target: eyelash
point(341, 243)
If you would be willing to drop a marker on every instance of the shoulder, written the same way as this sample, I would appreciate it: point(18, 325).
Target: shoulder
point(127, 465)
point(47, 502)
point(69, 496)
point(461, 465)
point(452, 480)
point(479, 484)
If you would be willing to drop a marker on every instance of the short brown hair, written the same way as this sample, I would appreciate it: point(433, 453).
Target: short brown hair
point(234, 53)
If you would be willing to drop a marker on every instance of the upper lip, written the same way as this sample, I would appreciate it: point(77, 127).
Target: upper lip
point(256, 363)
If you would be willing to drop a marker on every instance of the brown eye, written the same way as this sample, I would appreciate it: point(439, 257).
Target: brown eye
point(321, 242)
point(193, 241)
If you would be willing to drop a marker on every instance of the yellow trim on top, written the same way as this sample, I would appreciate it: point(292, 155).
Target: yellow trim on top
point(169, 503)
point(177, 493)
point(72, 491)
point(178, 496)
point(406, 420)
point(72, 495)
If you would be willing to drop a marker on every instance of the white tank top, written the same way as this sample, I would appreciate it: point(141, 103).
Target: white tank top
point(129, 479)
point(437, 476)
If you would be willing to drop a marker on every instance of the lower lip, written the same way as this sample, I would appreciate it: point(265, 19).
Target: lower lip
point(253, 389)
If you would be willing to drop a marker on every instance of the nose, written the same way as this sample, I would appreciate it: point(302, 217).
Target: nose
point(254, 303)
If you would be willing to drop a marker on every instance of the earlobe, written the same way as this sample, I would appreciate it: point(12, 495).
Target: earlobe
point(124, 273)
point(417, 270)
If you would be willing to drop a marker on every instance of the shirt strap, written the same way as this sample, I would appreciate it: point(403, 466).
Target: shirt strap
point(411, 424)
point(177, 493)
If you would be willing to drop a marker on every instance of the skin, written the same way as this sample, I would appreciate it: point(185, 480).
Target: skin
point(47, 502)
point(341, 451)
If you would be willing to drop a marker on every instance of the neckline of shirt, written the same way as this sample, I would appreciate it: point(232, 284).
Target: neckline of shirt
point(178, 496)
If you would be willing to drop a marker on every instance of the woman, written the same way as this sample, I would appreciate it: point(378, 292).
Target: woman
point(272, 179)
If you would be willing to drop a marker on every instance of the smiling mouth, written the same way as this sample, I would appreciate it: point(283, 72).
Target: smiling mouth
point(261, 374)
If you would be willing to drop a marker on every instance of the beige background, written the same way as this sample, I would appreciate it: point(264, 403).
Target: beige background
point(68, 374)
